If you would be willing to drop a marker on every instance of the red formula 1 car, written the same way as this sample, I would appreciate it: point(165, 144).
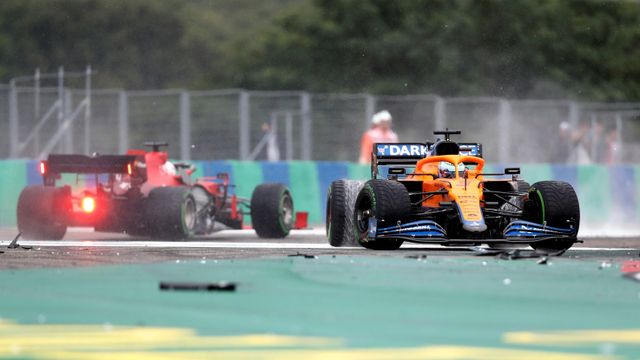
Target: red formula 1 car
point(143, 194)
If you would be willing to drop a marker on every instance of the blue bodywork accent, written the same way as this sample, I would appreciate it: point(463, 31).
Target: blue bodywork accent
point(373, 228)
point(422, 228)
point(531, 230)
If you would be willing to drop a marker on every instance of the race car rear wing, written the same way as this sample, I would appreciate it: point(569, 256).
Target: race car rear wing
point(408, 154)
point(81, 164)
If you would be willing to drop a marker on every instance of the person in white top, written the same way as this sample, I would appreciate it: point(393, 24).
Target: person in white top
point(380, 132)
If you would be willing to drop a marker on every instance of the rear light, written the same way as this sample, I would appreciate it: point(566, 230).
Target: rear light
point(129, 169)
point(42, 167)
point(88, 204)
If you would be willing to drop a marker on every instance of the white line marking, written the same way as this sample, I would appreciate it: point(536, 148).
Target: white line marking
point(170, 244)
point(243, 245)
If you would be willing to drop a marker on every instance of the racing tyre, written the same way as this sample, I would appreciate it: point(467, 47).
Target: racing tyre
point(341, 201)
point(272, 210)
point(171, 212)
point(384, 200)
point(556, 203)
point(42, 212)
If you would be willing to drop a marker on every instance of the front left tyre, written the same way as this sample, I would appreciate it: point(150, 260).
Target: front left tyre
point(388, 202)
point(42, 212)
point(341, 200)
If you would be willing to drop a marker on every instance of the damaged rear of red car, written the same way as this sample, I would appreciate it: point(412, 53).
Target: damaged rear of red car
point(143, 194)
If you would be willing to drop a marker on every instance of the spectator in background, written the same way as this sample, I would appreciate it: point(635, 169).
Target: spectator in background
point(570, 146)
point(613, 154)
point(380, 132)
point(563, 145)
point(598, 144)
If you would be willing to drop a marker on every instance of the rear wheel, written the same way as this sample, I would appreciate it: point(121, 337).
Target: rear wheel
point(42, 212)
point(171, 212)
point(386, 201)
point(272, 210)
point(341, 201)
point(555, 203)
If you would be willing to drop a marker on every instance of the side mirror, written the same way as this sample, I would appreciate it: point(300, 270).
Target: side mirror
point(514, 172)
point(397, 171)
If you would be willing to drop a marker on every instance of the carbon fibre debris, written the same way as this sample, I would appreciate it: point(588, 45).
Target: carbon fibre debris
point(14, 243)
point(220, 286)
point(306, 256)
point(517, 254)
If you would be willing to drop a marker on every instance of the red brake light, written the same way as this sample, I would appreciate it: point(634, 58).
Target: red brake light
point(129, 169)
point(42, 168)
point(88, 204)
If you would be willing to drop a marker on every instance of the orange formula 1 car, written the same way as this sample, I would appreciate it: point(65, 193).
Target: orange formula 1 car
point(438, 193)
point(143, 194)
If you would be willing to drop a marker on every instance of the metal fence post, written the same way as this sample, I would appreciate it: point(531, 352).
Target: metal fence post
point(185, 126)
point(574, 114)
point(370, 109)
point(87, 112)
point(505, 122)
point(619, 142)
point(289, 135)
point(440, 117)
point(574, 119)
point(68, 143)
point(13, 120)
point(61, 101)
point(36, 108)
point(243, 121)
point(306, 143)
point(123, 122)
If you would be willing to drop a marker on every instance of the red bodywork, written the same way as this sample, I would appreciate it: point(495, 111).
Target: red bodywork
point(122, 196)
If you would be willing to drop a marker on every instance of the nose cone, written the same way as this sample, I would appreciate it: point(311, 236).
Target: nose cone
point(474, 226)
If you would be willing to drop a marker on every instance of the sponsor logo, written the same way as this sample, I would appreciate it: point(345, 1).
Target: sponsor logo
point(403, 150)
point(415, 228)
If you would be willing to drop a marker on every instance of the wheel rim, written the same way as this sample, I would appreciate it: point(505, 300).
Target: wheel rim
point(189, 214)
point(286, 210)
point(537, 213)
point(363, 213)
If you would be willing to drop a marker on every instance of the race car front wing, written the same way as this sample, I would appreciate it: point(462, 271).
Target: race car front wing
point(422, 228)
point(427, 231)
point(526, 229)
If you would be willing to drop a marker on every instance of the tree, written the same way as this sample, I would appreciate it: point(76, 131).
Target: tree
point(511, 48)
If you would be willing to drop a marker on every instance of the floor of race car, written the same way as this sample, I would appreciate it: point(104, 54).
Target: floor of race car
point(94, 296)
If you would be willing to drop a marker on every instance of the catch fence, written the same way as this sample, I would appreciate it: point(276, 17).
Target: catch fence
point(285, 125)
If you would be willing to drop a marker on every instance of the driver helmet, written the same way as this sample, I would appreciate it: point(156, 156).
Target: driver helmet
point(447, 169)
point(168, 168)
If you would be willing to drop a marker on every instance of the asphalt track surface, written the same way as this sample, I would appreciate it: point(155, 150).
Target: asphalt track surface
point(97, 296)
point(84, 247)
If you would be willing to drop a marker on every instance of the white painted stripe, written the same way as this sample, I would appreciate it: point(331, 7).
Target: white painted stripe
point(171, 244)
point(239, 245)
